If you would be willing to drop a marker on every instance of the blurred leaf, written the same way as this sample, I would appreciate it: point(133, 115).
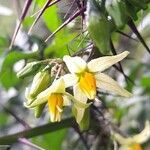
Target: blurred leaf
point(27, 22)
point(7, 75)
point(53, 21)
point(51, 141)
point(3, 118)
point(145, 81)
point(3, 44)
point(132, 76)
point(51, 18)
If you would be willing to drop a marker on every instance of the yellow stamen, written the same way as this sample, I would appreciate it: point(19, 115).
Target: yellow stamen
point(55, 104)
point(136, 147)
point(87, 84)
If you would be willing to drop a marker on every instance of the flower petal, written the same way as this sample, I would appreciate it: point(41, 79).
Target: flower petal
point(58, 86)
point(55, 104)
point(67, 101)
point(87, 84)
point(41, 98)
point(105, 82)
point(102, 63)
point(70, 79)
point(75, 64)
point(144, 135)
point(78, 94)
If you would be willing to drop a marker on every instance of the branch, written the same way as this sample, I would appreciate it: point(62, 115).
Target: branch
point(50, 127)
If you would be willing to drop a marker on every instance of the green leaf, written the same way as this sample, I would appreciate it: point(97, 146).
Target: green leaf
point(8, 77)
point(145, 81)
point(3, 118)
point(59, 43)
point(52, 140)
point(117, 9)
point(3, 44)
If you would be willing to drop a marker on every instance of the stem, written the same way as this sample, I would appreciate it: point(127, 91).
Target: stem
point(50, 127)
point(66, 22)
point(134, 29)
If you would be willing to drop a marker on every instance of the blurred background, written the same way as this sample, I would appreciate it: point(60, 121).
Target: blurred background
point(129, 115)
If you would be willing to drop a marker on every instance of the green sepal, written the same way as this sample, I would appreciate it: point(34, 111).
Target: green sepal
point(30, 69)
point(85, 122)
point(38, 110)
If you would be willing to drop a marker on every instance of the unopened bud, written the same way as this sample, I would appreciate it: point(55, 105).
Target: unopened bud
point(29, 69)
point(40, 82)
point(38, 110)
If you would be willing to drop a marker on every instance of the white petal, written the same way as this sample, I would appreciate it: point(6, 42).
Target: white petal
point(102, 63)
point(42, 97)
point(82, 98)
point(144, 135)
point(70, 79)
point(105, 82)
point(58, 86)
point(122, 140)
point(139, 138)
point(67, 101)
point(75, 64)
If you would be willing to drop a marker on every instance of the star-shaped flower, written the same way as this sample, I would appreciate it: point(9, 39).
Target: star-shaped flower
point(86, 77)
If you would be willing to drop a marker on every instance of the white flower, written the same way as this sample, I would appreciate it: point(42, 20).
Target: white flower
point(134, 143)
point(86, 77)
point(57, 97)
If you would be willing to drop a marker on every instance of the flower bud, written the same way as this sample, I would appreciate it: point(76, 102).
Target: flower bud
point(40, 82)
point(38, 110)
point(29, 69)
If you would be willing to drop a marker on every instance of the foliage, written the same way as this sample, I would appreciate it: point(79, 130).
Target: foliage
point(52, 29)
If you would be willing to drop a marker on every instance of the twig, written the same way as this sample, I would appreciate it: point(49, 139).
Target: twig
point(134, 29)
point(24, 12)
point(81, 137)
point(39, 15)
point(65, 23)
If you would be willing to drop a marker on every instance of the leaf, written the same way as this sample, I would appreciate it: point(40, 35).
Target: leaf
point(52, 140)
point(145, 81)
point(117, 9)
point(8, 77)
point(52, 20)
point(3, 44)
point(3, 118)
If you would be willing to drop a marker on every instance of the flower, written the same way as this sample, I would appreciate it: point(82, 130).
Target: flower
point(54, 95)
point(57, 97)
point(134, 143)
point(86, 77)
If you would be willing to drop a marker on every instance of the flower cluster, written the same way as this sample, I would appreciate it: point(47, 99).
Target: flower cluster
point(84, 78)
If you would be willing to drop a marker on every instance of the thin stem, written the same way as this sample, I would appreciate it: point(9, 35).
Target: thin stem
point(134, 29)
point(26, 142)
point(65, 23)
point(24, 12)
point(51, 4)
point(39, 15)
